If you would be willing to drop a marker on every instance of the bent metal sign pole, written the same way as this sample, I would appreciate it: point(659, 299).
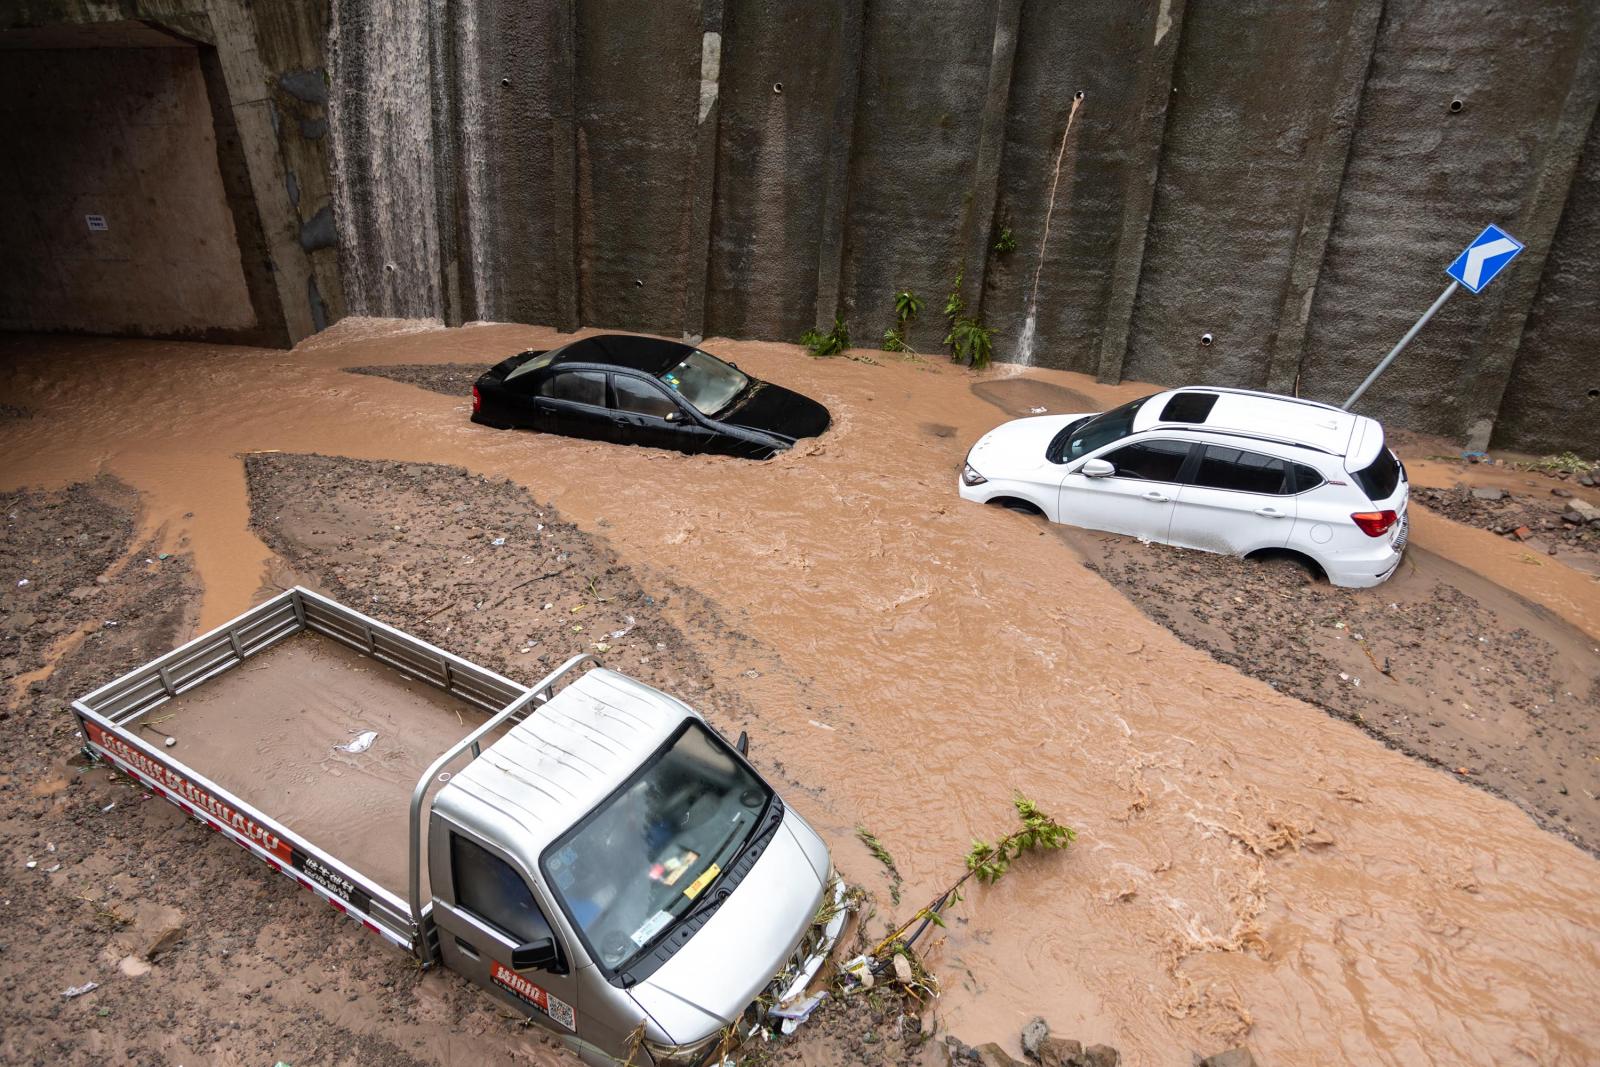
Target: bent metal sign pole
point(1475, 267)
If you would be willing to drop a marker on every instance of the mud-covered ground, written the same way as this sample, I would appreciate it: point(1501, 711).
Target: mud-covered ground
point(451, 379)
point(1436, 662)
point(1548, 519)
point(126, 892)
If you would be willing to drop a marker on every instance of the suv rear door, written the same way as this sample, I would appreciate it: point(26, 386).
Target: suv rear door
point(1235, 500)
point(1137, 499)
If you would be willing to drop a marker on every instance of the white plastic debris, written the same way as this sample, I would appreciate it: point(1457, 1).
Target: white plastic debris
point(108, 807)
point(362, 742)
point(798, 1012)
point(615, 634)
point(22, 584)
point(860, 969)
point(31, 864)
point(498, 541)
point(819, 725)
point(1037, 411)
point(80, 990)
point(169, 742)
point(52, 870)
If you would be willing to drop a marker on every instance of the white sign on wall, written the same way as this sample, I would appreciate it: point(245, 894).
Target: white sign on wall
point(97, 223)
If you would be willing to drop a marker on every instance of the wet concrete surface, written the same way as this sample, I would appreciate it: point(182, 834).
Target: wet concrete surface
point(1248, 868)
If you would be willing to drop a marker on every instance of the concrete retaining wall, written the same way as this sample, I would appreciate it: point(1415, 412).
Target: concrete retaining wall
point(1290, 177)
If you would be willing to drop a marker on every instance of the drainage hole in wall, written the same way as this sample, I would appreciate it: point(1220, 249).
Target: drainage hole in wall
point(1456, 105)
point(1205, 340)
point(638, 283)
point(777, 87)
point(506, 82)
point(1594, 394)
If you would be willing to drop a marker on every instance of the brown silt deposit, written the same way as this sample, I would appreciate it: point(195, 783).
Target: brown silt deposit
point(1248, 869)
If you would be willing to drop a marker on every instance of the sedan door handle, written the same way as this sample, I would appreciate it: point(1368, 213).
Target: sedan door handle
point(1270, 513)
point(1158, 497)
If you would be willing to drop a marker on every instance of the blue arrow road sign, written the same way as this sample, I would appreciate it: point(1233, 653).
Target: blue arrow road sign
point(1484, 258)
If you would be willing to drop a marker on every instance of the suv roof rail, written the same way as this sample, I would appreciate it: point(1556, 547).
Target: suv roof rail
point(1250, 435)
point(1264, 396)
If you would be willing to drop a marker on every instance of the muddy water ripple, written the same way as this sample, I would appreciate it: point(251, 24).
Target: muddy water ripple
point(1247, 868)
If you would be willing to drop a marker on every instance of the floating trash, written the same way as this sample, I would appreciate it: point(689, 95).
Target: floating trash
point(362, 742)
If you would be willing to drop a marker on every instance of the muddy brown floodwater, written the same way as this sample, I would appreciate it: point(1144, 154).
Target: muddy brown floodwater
point(1248, 868)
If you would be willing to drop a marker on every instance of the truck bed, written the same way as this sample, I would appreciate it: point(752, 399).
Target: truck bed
point(255, 709)
point(267, 730)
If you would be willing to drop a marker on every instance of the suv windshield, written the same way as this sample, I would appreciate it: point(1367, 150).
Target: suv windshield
point(1082, 437)
point(706, 382)
point(639, 861)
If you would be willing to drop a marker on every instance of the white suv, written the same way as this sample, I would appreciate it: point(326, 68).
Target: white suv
point(1223, 470)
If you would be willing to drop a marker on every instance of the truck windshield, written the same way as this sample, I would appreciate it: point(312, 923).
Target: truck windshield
point(706, 382)
point(643, 857)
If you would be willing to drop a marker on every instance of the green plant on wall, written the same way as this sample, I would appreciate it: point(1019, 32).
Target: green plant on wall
point(907, 306)
point(1005, 241)
point(970, 341)
point(831, 343)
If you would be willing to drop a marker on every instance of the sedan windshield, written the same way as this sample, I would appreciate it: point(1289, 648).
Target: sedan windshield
point(640, 860)
point(706, 382)
point(1086, 435)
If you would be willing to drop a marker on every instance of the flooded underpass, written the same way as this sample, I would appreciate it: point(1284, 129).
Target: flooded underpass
point(1248, 869)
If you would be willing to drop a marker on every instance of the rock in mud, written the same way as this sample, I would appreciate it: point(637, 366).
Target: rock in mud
point(992, 1055)
point(1234, 1057)
point(156, 929)
point(1060, 1052)
point(1489, 494)
point(1100, 1056)
point(1033, 1035)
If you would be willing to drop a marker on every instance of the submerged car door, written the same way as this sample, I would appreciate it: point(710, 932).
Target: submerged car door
point(1136, 498)
point(487, 912)
point(1235, 501)
point(645, 414)
point(573, 402)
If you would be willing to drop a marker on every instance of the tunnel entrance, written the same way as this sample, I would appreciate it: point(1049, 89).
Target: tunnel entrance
point(123, 194)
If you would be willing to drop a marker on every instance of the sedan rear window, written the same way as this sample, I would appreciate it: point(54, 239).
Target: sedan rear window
point(578, 386)
point(1379, 478)
point(1242, 472)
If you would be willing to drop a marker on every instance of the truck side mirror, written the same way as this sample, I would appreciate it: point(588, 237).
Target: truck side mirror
point(540, 955)
point(743, 744)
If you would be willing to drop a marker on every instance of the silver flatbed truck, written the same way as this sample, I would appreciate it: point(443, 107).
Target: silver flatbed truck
point(588, 850)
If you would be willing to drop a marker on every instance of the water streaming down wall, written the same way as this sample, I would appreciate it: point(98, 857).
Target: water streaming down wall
point(1210, 189)
point(384, 168)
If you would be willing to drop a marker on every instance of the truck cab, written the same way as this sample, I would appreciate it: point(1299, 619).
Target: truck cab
point(612, 861)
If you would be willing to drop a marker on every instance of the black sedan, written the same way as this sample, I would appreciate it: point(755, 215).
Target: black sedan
point(645, 391)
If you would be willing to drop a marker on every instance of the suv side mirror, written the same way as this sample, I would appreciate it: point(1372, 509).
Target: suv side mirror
point(540, 955)
point(1097, 468)
point(743, 744)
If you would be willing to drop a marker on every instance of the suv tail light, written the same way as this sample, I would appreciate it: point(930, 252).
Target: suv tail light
point(477, 401)
point(1374, 523)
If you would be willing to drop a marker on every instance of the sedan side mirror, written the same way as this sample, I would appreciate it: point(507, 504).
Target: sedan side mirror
point(540, 955)
point(1097, 468)
point(671, 416)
